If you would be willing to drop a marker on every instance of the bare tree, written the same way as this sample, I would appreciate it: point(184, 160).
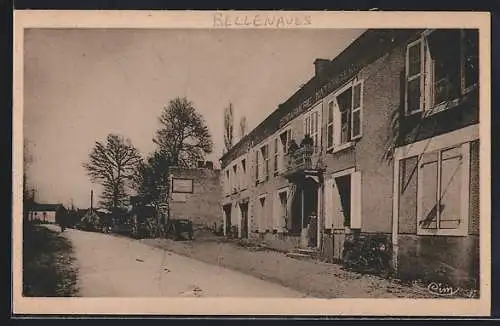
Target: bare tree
point(243, 126)
point(113, 164)
point(183, 135)
point(228, 127)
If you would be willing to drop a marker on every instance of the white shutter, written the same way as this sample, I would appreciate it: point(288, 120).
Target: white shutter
point(328, 200)
point(336, 206)
point(357, 110)
point(356, 200)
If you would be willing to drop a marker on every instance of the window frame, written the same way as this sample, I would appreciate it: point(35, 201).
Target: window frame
point(264, 173)
point(462, 229)
point(427, 67)
point(283, 148)
point(464, 88)
point(420, 75)
point(337, 123)
point(308, 123)
point(257, 165)
point(276, 155)
point(466, 135)
point(227, 181)
point(234, 179)
point(330, 105)
point(243, 176)
point(360, 109)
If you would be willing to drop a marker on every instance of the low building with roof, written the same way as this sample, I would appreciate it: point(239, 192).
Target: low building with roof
point(45, 213)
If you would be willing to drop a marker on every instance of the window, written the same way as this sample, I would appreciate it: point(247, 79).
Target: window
point(262, 163)
point(264, 150)
point(276, 156)
point(281, 209)
point(356, 111)
point(243, 182)
point(471, 58)
point(282, 147)
point(234, 179)
point(227, 183)
point(443, 179)
point(257, 166)
point(413, 76)
point(285, 138)
point(440, 66)
point(312, 125)
point(345, 116)
point(329, 125)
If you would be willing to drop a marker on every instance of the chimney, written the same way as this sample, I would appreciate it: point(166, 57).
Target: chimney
point(320, 67)
point(209, 165)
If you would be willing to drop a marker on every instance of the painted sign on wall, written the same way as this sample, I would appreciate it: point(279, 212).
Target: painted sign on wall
point(182, 186)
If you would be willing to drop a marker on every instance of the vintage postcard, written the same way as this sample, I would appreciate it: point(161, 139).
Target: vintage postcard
point(251, 163)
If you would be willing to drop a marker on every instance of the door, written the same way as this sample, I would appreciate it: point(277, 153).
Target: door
point(244, 220)
point(227, 219)
point(310, 218)
point(345, 208)
point(283, 206)
point(344, 193)
point(262, 214)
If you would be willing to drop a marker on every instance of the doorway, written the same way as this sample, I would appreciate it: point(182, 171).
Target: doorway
point(227, 219)
point(283, 206)
point(244, 220)
point(262, 214)
point(343, 184)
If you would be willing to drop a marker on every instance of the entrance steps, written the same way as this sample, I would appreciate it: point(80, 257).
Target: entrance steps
point(303, 253)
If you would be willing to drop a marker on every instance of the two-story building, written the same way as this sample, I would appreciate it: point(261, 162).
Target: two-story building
point(383, 140)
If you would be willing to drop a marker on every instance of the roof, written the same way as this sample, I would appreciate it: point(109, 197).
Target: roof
point(46, 207)
point(367, 48)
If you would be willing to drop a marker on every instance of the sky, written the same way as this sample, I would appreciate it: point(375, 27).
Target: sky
point(80, 85)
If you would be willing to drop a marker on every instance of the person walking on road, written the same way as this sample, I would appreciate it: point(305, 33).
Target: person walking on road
point(61, 220)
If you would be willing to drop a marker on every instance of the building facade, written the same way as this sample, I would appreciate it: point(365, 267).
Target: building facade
point(195, 194)
point(46, 213)
point(382, 140)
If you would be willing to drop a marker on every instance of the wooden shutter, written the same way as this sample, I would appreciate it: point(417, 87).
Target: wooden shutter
point(357, 110)
point(414, 84)
point(336, 207)
point(328, 200)
point(356, 200)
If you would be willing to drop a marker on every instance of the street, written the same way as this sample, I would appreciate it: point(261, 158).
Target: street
point(111, 266)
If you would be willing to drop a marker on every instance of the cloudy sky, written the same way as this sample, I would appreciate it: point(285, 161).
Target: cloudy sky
point(80, 85)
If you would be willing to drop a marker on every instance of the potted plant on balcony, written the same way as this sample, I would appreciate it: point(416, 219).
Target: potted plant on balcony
point(293, 146)
point(307, 141)
point(307, 150)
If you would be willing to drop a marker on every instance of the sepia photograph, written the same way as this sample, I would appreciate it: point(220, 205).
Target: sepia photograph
point(284, 156)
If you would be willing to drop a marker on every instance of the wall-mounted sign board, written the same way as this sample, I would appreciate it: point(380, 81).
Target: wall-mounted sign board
point(182, 186)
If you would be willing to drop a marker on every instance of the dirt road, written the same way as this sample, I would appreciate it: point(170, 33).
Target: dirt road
point(111, 266)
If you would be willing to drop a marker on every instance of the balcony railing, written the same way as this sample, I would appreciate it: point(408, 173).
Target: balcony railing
point(303, 158)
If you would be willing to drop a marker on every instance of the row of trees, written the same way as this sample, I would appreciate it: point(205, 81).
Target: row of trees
point(183, 139)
